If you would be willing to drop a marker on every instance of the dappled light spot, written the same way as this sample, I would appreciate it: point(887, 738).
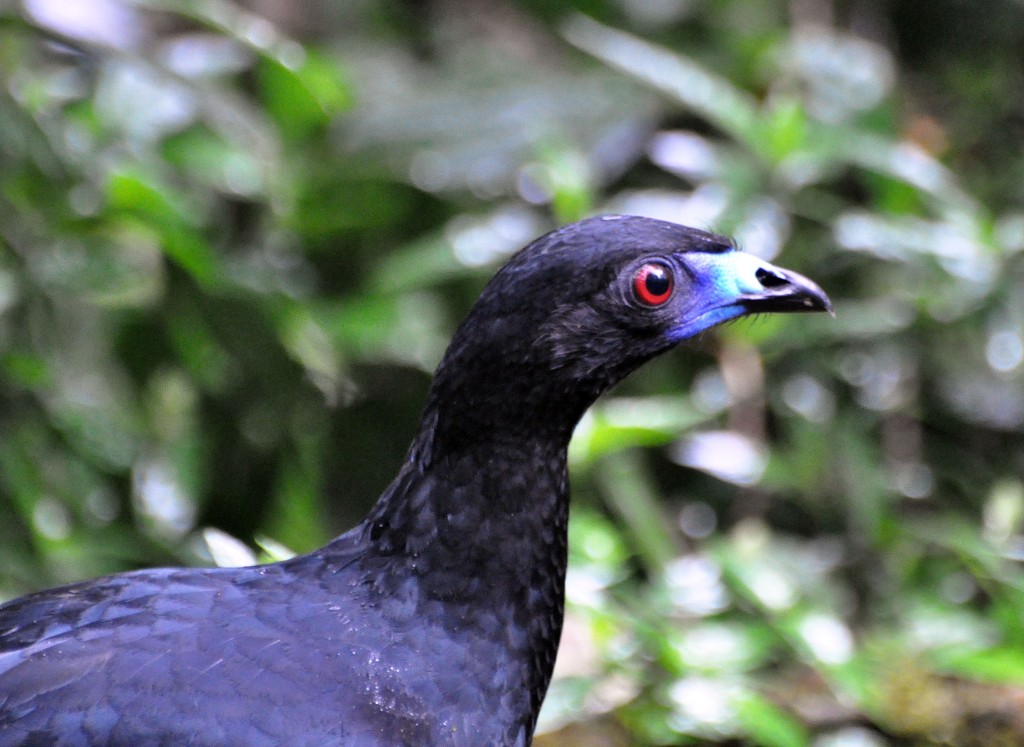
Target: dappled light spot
point(430, 171)
point(829, 640)
point(710, 392)
point(51, 519)
point(697, 520)
point(914, 479)
point(703, 703)
point(853, 736)
point(727, 455)
point(105, 22)
point(477, 242)
point(226, 551)
point(806, 396)
point(160, 499)
point(1004, 350)
point(695, 585)
point(685, 153)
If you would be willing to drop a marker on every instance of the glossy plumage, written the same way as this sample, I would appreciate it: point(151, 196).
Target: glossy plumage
point(435, 621)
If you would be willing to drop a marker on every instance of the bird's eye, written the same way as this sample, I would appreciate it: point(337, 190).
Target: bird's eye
point(652, 284)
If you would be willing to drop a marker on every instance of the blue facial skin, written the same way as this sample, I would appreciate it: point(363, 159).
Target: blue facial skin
point(727, 284)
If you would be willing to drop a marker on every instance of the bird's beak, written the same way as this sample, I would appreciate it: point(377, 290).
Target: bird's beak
point(732, 284)
point(749, 285)
point(784, 290)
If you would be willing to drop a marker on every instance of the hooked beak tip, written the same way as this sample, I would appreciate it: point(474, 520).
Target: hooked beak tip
point(787, 291)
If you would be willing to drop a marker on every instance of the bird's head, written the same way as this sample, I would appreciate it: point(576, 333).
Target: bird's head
point(578, 309)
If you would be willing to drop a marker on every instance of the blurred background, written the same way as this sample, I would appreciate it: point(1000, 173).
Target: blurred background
point(236, 236)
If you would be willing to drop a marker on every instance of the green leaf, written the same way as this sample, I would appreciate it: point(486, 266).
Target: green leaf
point(768, 725)
point(1002, 664)
point(730, 109)
point(305, 98)
point(139, 193)
point(27, 370)
point(626, 422)
point(786, 128)
point(192, 253)
point(172, 215)
point(296, 516)
point(628, 489)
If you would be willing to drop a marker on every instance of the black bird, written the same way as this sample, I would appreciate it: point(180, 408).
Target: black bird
point(436, 620)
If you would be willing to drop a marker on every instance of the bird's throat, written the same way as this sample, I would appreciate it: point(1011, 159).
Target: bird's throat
point(483, 533)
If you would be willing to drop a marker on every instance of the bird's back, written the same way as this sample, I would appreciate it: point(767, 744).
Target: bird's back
point(310, 651)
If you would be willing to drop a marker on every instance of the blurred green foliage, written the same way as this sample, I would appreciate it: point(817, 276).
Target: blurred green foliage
point(235, 239)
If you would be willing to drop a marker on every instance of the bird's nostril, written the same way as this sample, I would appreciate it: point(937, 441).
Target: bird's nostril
point(769, 279)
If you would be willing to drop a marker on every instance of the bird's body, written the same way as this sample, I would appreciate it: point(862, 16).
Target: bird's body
point(435, 621)
point(344, 646)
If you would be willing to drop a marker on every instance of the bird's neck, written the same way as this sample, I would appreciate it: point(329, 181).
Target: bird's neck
point(473, 532)
point(502, 411)
point(481, 534)
point(487, 509)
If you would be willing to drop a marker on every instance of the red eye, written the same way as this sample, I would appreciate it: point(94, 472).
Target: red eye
point(652, 284)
